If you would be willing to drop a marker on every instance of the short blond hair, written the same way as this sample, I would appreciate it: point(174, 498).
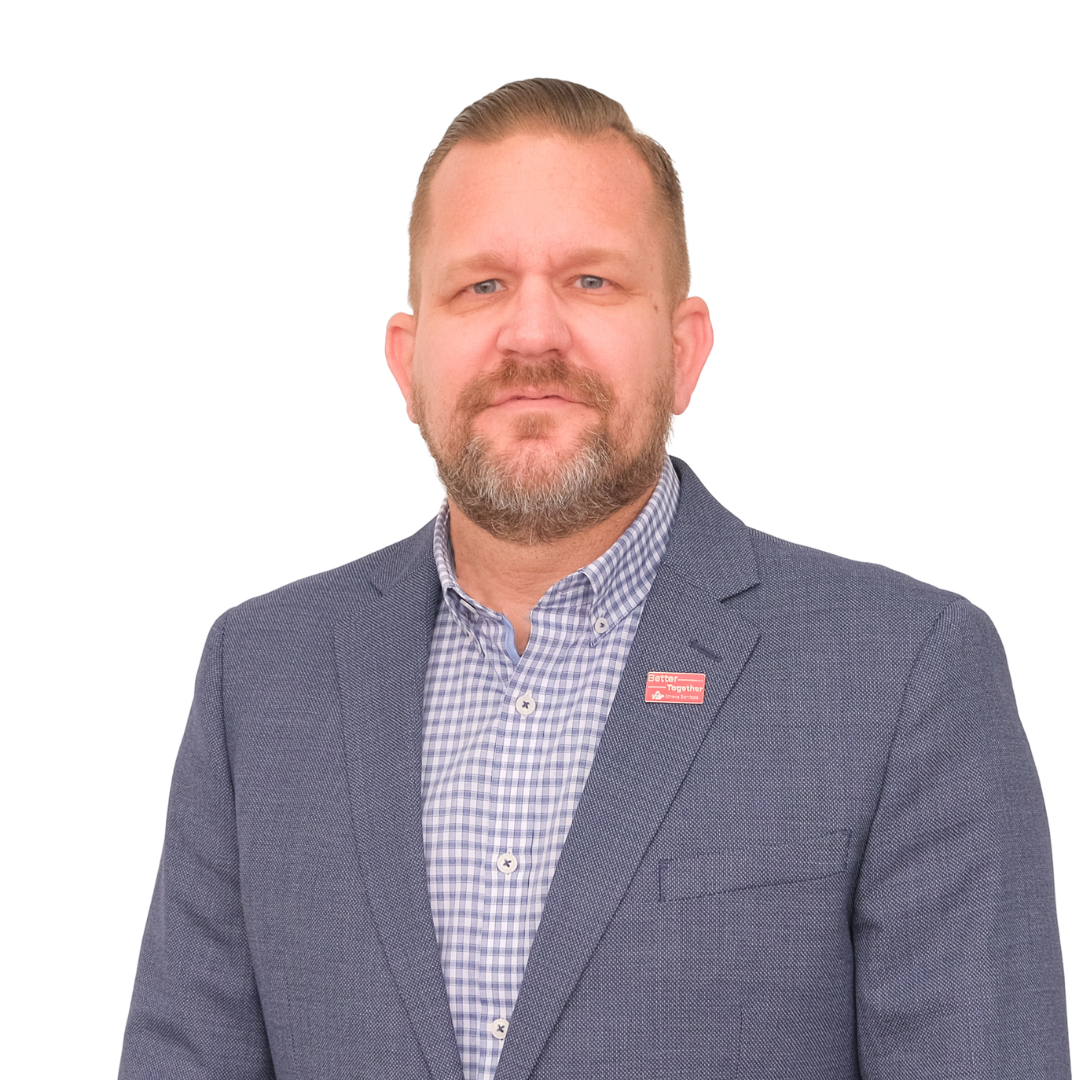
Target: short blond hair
point(566, 108)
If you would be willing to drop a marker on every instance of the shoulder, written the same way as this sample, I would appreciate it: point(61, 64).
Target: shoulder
point(872, 610)
point(772, 581)
point(818, 576)
point(321, 599)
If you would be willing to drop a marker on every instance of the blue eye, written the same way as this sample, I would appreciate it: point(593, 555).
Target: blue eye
point(591, 281)
point(482, 288)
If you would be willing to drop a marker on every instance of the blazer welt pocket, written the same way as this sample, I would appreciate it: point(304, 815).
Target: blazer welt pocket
point(752, 864)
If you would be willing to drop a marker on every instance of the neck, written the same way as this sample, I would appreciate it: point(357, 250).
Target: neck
point(511, 578)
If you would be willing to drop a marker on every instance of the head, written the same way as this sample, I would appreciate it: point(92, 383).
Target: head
point(553, 106)
point(552, 339)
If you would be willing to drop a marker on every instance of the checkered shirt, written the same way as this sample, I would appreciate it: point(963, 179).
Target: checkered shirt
point(508, 743)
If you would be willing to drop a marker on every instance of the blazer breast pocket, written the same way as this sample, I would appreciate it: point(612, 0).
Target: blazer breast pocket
point(756, 863)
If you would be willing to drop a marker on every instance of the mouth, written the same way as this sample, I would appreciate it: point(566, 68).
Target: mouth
point(534, 398)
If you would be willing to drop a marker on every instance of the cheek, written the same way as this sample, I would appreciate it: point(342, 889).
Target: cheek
point(432, 372)
point(448, 354)
point(633, 359)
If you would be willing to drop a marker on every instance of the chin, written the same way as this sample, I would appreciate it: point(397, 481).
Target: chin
point(538, 458)
point(542, 428)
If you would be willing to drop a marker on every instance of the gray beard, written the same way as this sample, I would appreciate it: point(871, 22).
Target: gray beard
point(540, 509)
point(528, 501)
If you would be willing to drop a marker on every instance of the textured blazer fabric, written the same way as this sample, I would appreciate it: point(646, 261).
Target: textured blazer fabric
point(836, 866)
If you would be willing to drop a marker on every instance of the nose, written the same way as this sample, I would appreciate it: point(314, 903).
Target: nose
point(535, 322)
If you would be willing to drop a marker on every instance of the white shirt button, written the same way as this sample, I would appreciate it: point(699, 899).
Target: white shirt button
point(499, 1028)
point(601, 625)
point(526, 704)
point(507, 862)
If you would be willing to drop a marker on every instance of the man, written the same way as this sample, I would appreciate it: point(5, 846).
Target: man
point(587, 779)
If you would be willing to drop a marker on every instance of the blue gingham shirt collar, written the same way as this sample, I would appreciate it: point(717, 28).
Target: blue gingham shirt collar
point(615, 583)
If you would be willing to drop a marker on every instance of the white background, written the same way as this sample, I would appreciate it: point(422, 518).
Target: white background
point(203, 232)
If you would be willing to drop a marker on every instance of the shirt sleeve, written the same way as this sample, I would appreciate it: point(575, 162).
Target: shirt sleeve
point(957, 962)
point(195, 1012)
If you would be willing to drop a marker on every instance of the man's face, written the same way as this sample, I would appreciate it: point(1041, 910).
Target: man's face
point(545, 360)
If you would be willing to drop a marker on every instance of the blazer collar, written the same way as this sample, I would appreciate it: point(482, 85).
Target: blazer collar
point(709, 546)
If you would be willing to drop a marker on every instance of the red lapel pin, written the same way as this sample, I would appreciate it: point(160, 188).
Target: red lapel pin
point(682, 686)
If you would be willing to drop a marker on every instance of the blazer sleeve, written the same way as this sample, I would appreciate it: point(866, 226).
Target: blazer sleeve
point(195, 1012)
point(957, 963)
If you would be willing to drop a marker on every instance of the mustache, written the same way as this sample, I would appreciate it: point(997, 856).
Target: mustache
point(551, 375)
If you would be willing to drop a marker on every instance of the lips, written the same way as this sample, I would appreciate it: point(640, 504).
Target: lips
point(553, 394)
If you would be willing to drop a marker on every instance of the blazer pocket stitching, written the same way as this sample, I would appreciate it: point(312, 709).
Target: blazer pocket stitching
point(741, 867)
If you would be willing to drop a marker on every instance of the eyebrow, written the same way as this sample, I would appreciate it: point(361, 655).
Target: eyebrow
point(486, 260)
point(482, 260)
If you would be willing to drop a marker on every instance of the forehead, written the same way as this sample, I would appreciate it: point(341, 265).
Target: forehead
point(541, 190)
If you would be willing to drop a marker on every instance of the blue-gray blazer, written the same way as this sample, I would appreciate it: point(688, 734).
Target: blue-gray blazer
point(837, 866)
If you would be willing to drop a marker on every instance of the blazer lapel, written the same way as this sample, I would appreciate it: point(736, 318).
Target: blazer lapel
point(382, 657)
point(642, 758)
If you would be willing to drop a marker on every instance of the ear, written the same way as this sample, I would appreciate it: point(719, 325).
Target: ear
point(692, 332)
point(400, 340)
